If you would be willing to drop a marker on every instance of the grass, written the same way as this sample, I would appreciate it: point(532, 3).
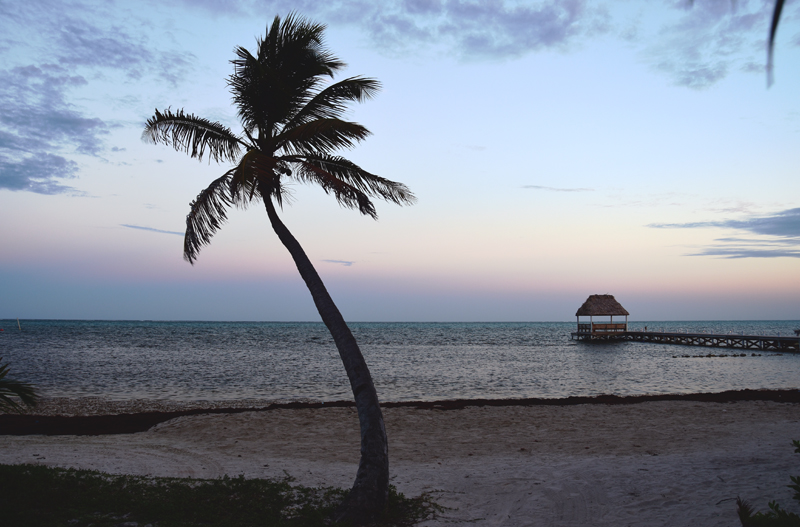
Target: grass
point(36, 495)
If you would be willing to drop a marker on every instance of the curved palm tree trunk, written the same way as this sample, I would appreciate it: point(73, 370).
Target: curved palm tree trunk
point(370, 490)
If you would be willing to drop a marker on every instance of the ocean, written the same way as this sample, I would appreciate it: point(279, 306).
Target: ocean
point(278, 361)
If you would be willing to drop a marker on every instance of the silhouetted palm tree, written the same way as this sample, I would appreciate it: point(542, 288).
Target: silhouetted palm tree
point(773, 29)
point(10, 390)
point(291, 126)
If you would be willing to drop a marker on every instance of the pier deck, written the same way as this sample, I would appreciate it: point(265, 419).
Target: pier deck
point(708, 340)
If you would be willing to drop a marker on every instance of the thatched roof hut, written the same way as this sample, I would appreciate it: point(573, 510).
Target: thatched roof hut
point(601, 305)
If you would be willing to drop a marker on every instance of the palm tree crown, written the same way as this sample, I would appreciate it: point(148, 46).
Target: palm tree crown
point(291, 127)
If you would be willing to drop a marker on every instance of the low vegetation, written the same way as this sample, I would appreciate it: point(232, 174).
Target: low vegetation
point(36, 495)
point(15, 394)
point(776, 516)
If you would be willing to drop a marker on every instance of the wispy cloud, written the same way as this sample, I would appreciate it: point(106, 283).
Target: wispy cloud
point(697, 43)
point(488, 29)
point(748, 252)
point(150, 229)
point(557, 189)
point(37, 114)
point(41, 174)
point(476, 148)
point(707, 39)
point(780, 236)
point(732, 207)
point(40, 128)
point(784, 223)
point(471, 29)
point(102, 37)
point(345, 263)
point(85, 44)
point(777, 241)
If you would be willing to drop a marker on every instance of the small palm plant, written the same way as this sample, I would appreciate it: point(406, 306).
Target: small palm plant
point(776, 516)
point(291, 128)
point(13, 392)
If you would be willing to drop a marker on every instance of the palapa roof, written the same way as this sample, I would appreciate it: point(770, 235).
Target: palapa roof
point(601, 305)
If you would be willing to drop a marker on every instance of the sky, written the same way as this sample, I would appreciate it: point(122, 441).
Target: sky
point(557, 149)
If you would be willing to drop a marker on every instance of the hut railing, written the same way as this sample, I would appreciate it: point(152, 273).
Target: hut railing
point(584, 328)
point(609, 328)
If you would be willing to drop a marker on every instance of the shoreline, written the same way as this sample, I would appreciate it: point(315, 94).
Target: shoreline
point(95, 416)
point(649, 463)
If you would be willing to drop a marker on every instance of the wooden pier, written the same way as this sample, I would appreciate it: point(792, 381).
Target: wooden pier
point(708, 340)
point(607, 306)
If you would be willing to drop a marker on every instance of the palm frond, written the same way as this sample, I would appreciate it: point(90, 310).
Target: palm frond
point(321, 136)
point(272, 86)
point(11, 389)
point(350, 173)
point(330, 103)
point(298, 39)
point(347, 195)
point(206, 215)
point(745, 512)
point(191, 134)
point(243, 184)
point(253, 91)
point(773, 29)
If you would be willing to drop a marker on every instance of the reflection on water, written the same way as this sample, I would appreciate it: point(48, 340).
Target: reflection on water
point(409, 361)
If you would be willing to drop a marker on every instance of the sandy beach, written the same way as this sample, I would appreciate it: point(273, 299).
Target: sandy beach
point(670, 463)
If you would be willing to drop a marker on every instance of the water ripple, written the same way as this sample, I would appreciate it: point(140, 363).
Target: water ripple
point(187, 361)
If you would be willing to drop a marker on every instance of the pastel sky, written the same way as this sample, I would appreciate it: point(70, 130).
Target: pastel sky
point(557, 149)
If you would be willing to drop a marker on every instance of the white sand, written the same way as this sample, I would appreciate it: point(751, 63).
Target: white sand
point(675, 463)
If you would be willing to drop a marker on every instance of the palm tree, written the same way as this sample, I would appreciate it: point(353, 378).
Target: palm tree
point(773, 29)
point(10, 390)
point(291, 127)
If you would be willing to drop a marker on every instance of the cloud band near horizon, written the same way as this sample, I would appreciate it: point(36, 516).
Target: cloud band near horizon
point(781, 231)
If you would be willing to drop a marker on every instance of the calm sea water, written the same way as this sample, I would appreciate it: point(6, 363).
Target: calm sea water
point(187, 361)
